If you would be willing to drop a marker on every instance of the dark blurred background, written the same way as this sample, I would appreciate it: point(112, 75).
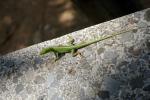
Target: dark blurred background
point(26, 22)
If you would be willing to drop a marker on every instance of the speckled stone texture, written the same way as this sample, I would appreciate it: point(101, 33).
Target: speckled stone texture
point(114, 69)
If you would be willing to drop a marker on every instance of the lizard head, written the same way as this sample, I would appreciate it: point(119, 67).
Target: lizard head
point(46, 50)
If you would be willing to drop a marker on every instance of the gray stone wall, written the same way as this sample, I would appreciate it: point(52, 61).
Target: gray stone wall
point(114, 69)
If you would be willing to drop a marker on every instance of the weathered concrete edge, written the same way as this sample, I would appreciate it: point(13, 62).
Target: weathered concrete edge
point(77, 35)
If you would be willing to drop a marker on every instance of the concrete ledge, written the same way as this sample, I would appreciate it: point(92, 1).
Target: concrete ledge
point(115, 69)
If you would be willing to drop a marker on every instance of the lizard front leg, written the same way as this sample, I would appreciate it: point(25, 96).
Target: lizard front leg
point(58, 55)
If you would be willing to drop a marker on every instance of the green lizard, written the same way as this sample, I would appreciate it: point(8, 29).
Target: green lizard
point(72, 48)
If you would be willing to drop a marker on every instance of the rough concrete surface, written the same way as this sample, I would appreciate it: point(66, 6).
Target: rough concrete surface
point(114, 69)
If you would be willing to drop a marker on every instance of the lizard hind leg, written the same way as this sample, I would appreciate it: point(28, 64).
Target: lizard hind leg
point(75, 52)
point(71, 40)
